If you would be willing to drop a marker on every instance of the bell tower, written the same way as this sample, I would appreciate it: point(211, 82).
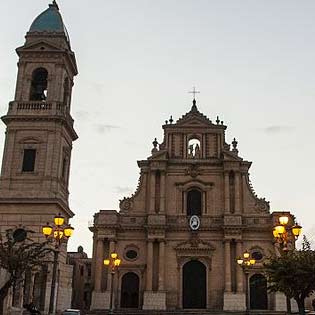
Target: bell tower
point(37, 151)
point(39, 134)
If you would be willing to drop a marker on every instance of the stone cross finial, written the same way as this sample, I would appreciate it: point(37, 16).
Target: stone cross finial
point(194, 92)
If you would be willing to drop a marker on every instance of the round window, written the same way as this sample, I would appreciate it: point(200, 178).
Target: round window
point(257, 255)
point(131, 254)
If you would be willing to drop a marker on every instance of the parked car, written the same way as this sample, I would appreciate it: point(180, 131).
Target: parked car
point(71, 311)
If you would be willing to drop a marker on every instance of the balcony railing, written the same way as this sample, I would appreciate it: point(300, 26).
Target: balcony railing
point(38, 108)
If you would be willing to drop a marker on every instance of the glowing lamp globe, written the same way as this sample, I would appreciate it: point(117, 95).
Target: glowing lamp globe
point(246, 255)
point(59, 220)
point(58, 234)
point(239, 260)
point(106, 262)
point(117, 262)
point(113, 255)
point(68, 231)
point(284, 219)
point(252, 261)
point(47, 230)
point(280, 229)
point(296, 230)
point(275, 233)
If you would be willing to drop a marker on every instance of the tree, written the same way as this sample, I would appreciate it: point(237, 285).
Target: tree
point(17, 255)
point(293, 274)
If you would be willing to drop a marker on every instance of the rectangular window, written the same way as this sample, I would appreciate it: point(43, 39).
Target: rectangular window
point(29, 160)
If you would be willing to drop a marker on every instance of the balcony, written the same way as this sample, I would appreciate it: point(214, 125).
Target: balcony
point(39, 108)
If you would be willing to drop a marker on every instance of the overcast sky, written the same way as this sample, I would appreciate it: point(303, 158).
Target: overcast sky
point(253, 62)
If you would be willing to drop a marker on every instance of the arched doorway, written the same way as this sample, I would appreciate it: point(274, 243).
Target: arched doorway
point(194, 285)
point(129, 291)
point(258, 292)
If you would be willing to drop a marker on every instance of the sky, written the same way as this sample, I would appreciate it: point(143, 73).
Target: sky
point(252, 61)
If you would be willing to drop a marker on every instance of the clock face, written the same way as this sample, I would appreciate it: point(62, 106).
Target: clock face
point(194, 222)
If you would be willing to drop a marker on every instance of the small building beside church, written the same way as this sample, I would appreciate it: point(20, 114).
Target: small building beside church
point(81, 279)
point(179, 235)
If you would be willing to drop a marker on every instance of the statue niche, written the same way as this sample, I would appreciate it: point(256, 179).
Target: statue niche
point(194, 150)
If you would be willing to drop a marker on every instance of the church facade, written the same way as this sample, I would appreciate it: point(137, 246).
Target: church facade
point(37, 152)
point(179, 235)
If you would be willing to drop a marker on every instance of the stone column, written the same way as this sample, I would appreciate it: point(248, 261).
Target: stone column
point(152, 192)
point(239, 270)
point(161, 265)
point(226, 192)
point(237, 193)
point(98, 265)
point(227, 263)
point(149, 265)
point(162, 193)
point(111, 249)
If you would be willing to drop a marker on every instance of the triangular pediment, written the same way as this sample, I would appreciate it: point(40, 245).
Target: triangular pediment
point(40, 45)
point(194, 118)
point(194, 121)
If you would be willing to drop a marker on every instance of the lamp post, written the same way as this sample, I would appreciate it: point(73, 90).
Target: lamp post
point(113, 263)
point(285, 234)
point(245, 262)
point(57, 233)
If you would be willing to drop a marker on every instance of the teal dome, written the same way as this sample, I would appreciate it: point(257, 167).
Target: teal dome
point(49, 21)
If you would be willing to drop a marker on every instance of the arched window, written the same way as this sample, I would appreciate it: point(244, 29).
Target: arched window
point(194, 148)
point(39, 85)
point(194, 202)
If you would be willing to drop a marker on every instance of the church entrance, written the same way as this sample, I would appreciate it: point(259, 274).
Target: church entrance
point(129, 291)
point(194, 285)
point(258, 292)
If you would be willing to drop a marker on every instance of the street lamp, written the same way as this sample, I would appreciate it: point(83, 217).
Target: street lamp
point(284, 233)
point(57, 234)
point(113, 263)
point(246, 261)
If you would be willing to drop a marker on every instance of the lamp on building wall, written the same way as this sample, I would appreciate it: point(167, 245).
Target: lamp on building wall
point(113, 262)
point(246, 261)
point(57, 233)
point(285, 234)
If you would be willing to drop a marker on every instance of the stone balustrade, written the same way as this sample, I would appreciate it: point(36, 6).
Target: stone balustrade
point(39, 108)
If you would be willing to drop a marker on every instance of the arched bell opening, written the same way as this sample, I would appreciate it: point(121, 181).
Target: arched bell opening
point(39, 85)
